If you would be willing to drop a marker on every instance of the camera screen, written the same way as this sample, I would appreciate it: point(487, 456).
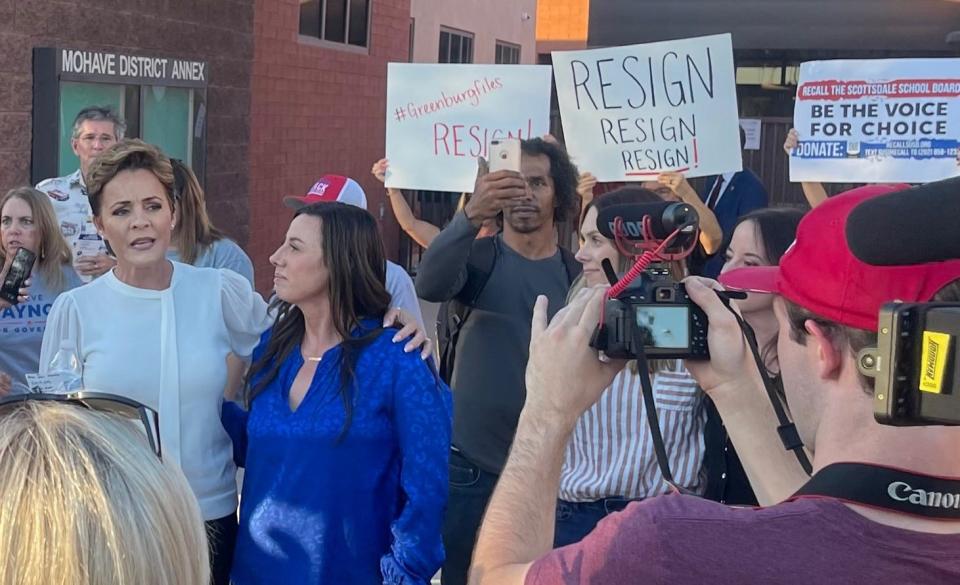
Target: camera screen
point(664, 327)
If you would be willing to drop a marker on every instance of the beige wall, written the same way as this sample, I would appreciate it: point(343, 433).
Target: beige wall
point(511, 21)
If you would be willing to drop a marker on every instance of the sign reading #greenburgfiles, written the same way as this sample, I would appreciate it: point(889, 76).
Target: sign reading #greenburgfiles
point(109, 67)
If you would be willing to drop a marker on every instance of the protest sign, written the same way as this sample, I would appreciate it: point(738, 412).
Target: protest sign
point(440, 118)
point(631, 113)
point(877, 121)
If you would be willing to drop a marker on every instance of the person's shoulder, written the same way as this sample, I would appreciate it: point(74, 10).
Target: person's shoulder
point(748, 177)
point(57, 188)
point(396, 272)
point(680, 510)
point(71, 279)
point(226, 246)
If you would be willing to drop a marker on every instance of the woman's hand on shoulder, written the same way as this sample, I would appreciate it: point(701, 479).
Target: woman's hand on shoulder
point(410, 331)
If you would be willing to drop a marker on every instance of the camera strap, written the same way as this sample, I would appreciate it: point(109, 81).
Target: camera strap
point(886, 488)
point(787, 430)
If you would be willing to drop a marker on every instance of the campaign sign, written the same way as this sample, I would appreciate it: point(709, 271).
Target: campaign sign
point(440, 118)
point(631, 113)
point(877, 121)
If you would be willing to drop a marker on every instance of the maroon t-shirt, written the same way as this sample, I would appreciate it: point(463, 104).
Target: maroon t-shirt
point(686, 540)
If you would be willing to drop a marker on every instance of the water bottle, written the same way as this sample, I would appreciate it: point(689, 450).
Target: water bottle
point(66, 364)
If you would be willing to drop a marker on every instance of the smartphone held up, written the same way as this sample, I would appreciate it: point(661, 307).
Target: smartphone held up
point(505, 155)
point(18, 274)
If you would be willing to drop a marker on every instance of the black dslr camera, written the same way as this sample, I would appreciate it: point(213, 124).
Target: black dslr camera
point(653, 313)
point(916, 365)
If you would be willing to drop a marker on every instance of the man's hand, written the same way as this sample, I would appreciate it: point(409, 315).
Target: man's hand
point(730, 362)
point(565, 376)
point(94, 265)
point(493, 192)
point(379, 169)
point(793, 138)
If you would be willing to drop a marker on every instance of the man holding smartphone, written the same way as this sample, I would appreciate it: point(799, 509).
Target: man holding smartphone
point(496, 282)
point(95, 129)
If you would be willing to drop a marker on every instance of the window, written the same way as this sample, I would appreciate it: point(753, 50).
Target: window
point(337, 21)
point(507, 53)
point(456, 46)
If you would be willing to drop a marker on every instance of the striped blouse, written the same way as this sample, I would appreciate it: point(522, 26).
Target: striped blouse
point(611, 453)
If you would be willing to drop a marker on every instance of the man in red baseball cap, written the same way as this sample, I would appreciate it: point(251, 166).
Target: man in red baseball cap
point(883, 504)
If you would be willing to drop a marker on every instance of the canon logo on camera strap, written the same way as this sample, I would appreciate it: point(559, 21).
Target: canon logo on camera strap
point(889, 488)
point(902, 492)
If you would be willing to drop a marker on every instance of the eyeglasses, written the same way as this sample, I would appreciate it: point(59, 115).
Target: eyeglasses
point(112, 404)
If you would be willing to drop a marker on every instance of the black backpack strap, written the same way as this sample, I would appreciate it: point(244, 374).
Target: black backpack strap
point(570, 264)
point(454, 313)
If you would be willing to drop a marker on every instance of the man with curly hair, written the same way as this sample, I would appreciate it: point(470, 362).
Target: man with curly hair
point(495, 283)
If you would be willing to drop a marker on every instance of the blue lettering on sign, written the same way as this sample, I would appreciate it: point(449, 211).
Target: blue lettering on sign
point(19, 314)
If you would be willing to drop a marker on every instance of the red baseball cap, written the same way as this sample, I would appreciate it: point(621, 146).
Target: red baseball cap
point(821, 274)
point(331, 188)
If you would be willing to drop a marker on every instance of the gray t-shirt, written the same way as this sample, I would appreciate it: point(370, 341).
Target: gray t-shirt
point(224, 253)
point(22, 326)
point(488, 376)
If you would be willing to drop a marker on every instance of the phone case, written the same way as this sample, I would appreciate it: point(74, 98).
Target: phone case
point(505, 155)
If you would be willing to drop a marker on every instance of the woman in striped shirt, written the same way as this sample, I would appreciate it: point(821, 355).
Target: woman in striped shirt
point(610, 459)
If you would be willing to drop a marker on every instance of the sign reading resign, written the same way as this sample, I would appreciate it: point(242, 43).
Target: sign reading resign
point(631, 113)
point(877, 121)
point(440, 118)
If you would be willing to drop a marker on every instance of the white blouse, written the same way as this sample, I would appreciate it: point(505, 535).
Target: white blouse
point(167, 349)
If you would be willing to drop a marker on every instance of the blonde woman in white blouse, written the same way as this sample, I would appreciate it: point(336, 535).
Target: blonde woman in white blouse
point(159, 332)
point(610, 459)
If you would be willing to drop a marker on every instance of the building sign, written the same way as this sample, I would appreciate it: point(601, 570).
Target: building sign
point(631, 113)
point(107, 67)
point(877, 121)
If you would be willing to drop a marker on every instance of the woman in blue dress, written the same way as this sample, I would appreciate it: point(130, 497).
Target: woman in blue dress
point(346, 440)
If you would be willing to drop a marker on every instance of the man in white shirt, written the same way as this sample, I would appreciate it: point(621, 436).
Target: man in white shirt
point(346, 190)
point(95, 129)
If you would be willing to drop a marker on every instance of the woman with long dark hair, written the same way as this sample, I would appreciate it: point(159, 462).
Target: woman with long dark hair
point(346, 439)
point(759, 238)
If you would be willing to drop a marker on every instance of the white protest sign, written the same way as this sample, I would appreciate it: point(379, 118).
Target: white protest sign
point(877, 121)
point(631, 113)
point(440, 118)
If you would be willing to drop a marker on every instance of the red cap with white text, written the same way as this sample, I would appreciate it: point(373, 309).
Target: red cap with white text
point(331, 188)
point(821, 274)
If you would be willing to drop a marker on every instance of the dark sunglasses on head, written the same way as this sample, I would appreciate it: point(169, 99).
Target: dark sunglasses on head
point(101, 402)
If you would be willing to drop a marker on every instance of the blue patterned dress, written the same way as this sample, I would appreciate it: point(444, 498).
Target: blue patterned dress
point(364, 509)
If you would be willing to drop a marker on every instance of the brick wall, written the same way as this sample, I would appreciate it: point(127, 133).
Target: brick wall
point(220, 32)
point(316, 110)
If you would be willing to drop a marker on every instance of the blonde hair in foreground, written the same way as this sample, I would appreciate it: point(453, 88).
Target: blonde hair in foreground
point(85, 501)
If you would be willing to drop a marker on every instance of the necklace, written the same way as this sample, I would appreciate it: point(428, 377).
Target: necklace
point(314, 359)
